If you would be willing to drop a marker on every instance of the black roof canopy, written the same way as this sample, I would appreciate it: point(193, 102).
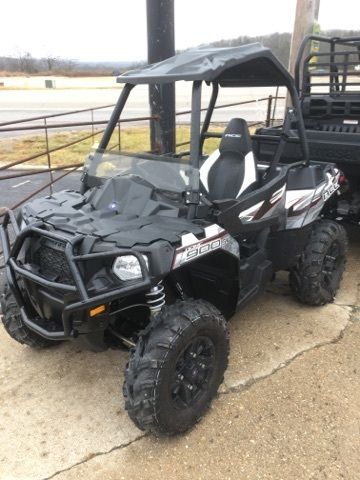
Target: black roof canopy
point(247, 65)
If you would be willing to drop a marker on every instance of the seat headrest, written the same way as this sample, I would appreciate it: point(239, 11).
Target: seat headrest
point(236, 137)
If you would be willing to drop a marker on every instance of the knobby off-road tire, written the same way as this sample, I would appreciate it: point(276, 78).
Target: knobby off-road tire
point(176, 367)
point(316, 278)
point(16, 328)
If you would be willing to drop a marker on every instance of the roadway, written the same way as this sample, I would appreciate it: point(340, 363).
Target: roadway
point(14, 189)
point(25, 103)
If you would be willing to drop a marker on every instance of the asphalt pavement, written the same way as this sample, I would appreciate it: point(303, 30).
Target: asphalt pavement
point(13, 190)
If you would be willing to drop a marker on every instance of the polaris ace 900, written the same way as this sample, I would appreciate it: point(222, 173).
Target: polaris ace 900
point(158, 251)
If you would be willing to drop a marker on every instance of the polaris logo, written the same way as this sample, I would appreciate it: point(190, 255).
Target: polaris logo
point(54, 244)
point(233, 135)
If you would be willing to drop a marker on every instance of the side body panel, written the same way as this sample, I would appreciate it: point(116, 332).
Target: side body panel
point(304, 206)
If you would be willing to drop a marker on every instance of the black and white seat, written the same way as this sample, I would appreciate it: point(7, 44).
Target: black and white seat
point(231, 170)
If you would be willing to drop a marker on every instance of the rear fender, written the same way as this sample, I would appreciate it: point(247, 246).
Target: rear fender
point(303, 206)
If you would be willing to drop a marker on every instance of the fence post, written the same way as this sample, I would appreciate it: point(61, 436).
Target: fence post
point(48, 157)
point(119, 136)
point(268, 114)
point(92, 127)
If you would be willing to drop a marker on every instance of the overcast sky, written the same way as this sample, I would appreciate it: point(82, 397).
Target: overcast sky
point(116, 29)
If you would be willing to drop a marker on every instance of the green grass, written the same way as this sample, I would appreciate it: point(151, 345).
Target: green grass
point(134, 139)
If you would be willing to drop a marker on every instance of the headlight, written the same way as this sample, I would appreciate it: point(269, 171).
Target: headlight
point(128, 267)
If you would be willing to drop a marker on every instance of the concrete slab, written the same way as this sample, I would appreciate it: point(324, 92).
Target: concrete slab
point(349, 293)
point(302, 422)
point(273, 330)
point(57, 407)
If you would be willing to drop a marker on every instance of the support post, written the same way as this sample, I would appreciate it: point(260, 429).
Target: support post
point(307, 13)
point(268, 113)
point(161, 45)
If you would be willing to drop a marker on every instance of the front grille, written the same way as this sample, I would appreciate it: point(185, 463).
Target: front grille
point(52, 263)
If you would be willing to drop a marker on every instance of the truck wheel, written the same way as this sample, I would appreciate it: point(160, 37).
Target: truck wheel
point(316, 278)
point(16, 328)
point(176, 367)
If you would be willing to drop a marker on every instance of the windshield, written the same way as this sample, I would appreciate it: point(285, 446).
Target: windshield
point(163, 173)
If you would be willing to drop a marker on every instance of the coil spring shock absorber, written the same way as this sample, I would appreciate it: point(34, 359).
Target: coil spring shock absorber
point(155, 298)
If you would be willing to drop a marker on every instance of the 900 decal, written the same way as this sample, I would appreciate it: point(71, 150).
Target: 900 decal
point(186, 254)
point(197, 251)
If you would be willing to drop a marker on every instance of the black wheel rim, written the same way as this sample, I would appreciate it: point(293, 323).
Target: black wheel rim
point(193, 370)
point(331, 268)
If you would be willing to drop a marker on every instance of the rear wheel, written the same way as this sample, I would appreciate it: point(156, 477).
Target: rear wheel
point(176, 367)
point(316, 278)
point(16, 328)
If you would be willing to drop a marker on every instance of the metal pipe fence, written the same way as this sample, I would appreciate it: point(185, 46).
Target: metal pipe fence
point(45, 126)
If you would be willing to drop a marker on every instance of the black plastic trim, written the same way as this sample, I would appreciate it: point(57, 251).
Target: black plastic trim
point(86, 301)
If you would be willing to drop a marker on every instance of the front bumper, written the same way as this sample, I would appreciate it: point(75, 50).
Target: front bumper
point(15, 270)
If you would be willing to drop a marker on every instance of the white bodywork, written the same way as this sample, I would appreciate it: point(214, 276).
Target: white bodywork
point(304, 206)
point(216, 238)
point(298, 208)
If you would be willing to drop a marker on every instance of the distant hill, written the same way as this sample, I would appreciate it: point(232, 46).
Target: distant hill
point(279, 43)
point(25, 64)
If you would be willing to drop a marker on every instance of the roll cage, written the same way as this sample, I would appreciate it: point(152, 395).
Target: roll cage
point(245, 66)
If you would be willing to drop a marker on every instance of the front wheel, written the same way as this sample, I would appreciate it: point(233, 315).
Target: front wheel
point(176, 367)
point(317, 276)
point(16, 328)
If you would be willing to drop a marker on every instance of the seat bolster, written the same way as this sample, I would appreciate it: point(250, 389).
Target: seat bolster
point(250, 172)
point(206, 166)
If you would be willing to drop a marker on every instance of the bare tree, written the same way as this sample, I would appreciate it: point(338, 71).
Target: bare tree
point(26, 62)
point(51, 62)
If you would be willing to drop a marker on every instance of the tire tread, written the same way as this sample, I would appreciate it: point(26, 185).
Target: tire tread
point(15, 327)
point(305, 278)
point(150, 355)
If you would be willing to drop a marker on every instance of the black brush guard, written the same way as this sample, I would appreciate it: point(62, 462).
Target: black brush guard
point(14, 269)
